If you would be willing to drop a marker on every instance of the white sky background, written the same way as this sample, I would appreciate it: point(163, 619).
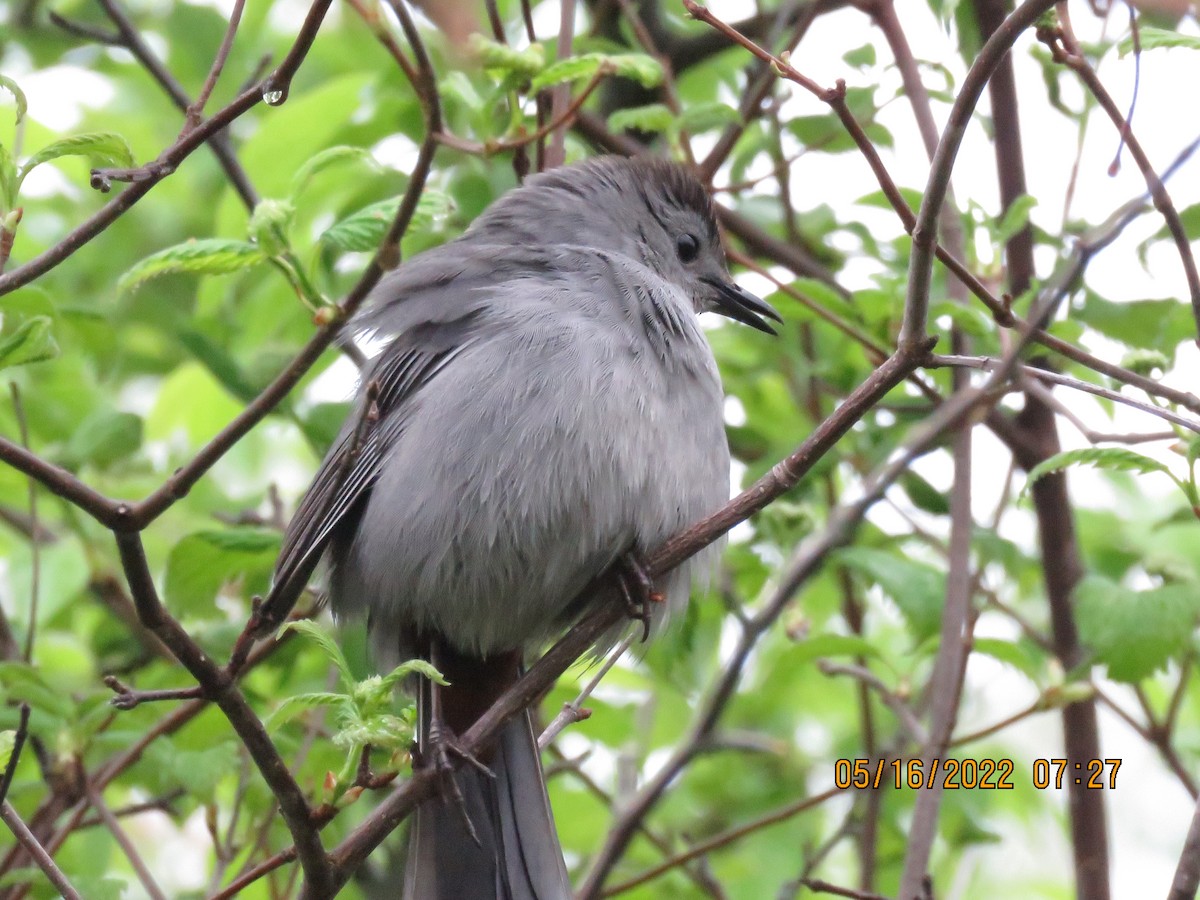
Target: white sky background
point(1149, 811)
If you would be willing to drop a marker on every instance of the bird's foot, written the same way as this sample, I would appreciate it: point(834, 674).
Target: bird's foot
point(637, 589)
point(442, 748)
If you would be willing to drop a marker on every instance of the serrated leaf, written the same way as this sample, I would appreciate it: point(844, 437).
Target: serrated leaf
point(329, 647)
point(1117, 459)
point(291, 707)
point(651, 118)
point(498, 57)
point(639, 67)
point(18, 95)
point(1134, 633)
point(102, 147)
point(572, 68)
point(412, 667)
point(206, 256)
point(917, 589)
point(387, 732)
point(1151, 38)
point(33, 341)
point(362, 231)
point(327, 158)
point(1016, 217)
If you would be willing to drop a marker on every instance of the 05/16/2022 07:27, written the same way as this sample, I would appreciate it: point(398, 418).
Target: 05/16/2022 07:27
point(972, 774)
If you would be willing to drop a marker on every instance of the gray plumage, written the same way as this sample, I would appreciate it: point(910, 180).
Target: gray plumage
point(547, 402)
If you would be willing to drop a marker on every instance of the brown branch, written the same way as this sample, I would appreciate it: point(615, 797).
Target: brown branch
point(723, 839)
point(1063, 49)
point(26, 839)
point(220, 689)
point(127, 848)
point(195, 109)
point(111, 211)
point(275, 88)
point(949, 668)
point(130, 38)
point(10, 768)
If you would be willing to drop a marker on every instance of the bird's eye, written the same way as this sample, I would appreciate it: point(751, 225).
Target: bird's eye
point(687, 247)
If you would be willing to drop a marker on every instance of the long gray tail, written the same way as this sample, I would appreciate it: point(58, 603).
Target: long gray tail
point(518, 856)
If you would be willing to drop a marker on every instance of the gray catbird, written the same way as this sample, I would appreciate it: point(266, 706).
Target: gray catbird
point(547, 404)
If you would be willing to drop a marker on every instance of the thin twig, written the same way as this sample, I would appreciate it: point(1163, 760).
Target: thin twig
point(26, 839)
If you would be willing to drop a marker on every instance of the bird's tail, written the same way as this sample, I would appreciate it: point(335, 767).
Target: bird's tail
point(516, 855)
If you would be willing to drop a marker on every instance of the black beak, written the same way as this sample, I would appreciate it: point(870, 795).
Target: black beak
point(741, 305)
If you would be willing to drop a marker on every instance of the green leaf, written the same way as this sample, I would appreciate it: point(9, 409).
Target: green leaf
point(861, 57)
point(1134, 633)
point(570, 69)
point(206, 256)
point(200, 564)
point(1012, 653)
point(328, 645)
point(1145, 361)
point(8, 741)
point(916, 588)
point(703, 117)
point(362, 231)
point(19, 95)
point(269, 224)
point(33, 341)
point(24, 684)
point(820, 646)
point(639, 67)
point(1114, 458)
point(1151, 38)
point(923, 494)
point(102, 147)
point(8, 180)
point(198, 771)
point(291, 707)
point(645, 70)
point(652, 118)
point(1154, 324)
point(497, 57)
point(969, 319)
point(413, 666)
point(103, 438)
point(1016, 217)
point(326, 159)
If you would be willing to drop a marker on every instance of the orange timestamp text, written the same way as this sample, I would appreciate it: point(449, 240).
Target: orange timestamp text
point(972, 774)
point(948, 774)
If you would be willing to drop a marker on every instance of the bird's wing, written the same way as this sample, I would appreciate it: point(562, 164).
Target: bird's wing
point(353, 463)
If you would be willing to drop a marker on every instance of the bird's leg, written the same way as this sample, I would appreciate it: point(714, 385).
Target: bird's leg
point(637, 588)
point(442, 745)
